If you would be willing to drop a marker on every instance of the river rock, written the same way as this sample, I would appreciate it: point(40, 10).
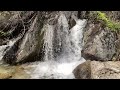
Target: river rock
point(6, 72)
point(98, 70)
point(15, 72)
point(83, 71)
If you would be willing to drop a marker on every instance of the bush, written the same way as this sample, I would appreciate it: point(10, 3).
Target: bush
point(102, 17)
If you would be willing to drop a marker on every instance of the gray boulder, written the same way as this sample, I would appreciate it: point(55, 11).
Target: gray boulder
point(98, 70)
point(99, 43)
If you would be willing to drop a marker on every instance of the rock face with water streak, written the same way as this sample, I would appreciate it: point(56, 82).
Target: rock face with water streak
point(31, 44)
point(98, 70)
point(30, 47)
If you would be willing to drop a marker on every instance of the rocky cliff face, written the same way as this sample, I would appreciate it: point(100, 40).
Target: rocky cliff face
point(100, 43)
point(27, 31)
point(29, 46)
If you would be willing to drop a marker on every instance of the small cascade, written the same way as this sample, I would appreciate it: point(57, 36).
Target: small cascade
point(4, 48)
point(62, 57)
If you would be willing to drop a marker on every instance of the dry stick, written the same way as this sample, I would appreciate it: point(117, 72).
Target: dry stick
point(9, 23)
point(24, 22)
point(33, 24)
point(11, 19)
point(5, 26)
point(23, 25)
point(17, 17)
point(13, 28)
point(31, 19)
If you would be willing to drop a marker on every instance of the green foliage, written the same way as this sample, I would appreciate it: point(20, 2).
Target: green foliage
point(106, 21)
point(3, 33)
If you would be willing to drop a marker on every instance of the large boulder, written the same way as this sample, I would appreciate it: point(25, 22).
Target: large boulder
point(83, 71)
point(98, 70)
point(28, 47)
point(99, 43)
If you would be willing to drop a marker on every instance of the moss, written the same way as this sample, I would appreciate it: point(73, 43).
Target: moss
point(102, 17)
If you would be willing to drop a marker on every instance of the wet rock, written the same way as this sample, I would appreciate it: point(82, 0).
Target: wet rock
point(98, 70)
point(30, 47)
point(27, 48)
point(83, 71)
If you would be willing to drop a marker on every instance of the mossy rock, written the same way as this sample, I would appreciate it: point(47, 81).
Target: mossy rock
point(105, 20)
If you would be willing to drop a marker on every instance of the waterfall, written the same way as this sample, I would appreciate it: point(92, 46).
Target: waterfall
point(48, 38)
point(62, 50)
point(4, 48)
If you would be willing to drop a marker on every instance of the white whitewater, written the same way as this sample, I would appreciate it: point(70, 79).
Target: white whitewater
point(3, 49)
point(62, 66)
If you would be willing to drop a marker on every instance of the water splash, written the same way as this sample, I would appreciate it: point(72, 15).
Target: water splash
point(70, 41)
point(55, 70)
point(3, 49)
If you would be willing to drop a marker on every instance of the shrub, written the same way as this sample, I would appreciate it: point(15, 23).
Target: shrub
point(102, 17)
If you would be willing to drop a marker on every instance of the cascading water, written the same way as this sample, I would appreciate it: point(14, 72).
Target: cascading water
point(48, 38)
point(4, 48)
point(60, 60)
